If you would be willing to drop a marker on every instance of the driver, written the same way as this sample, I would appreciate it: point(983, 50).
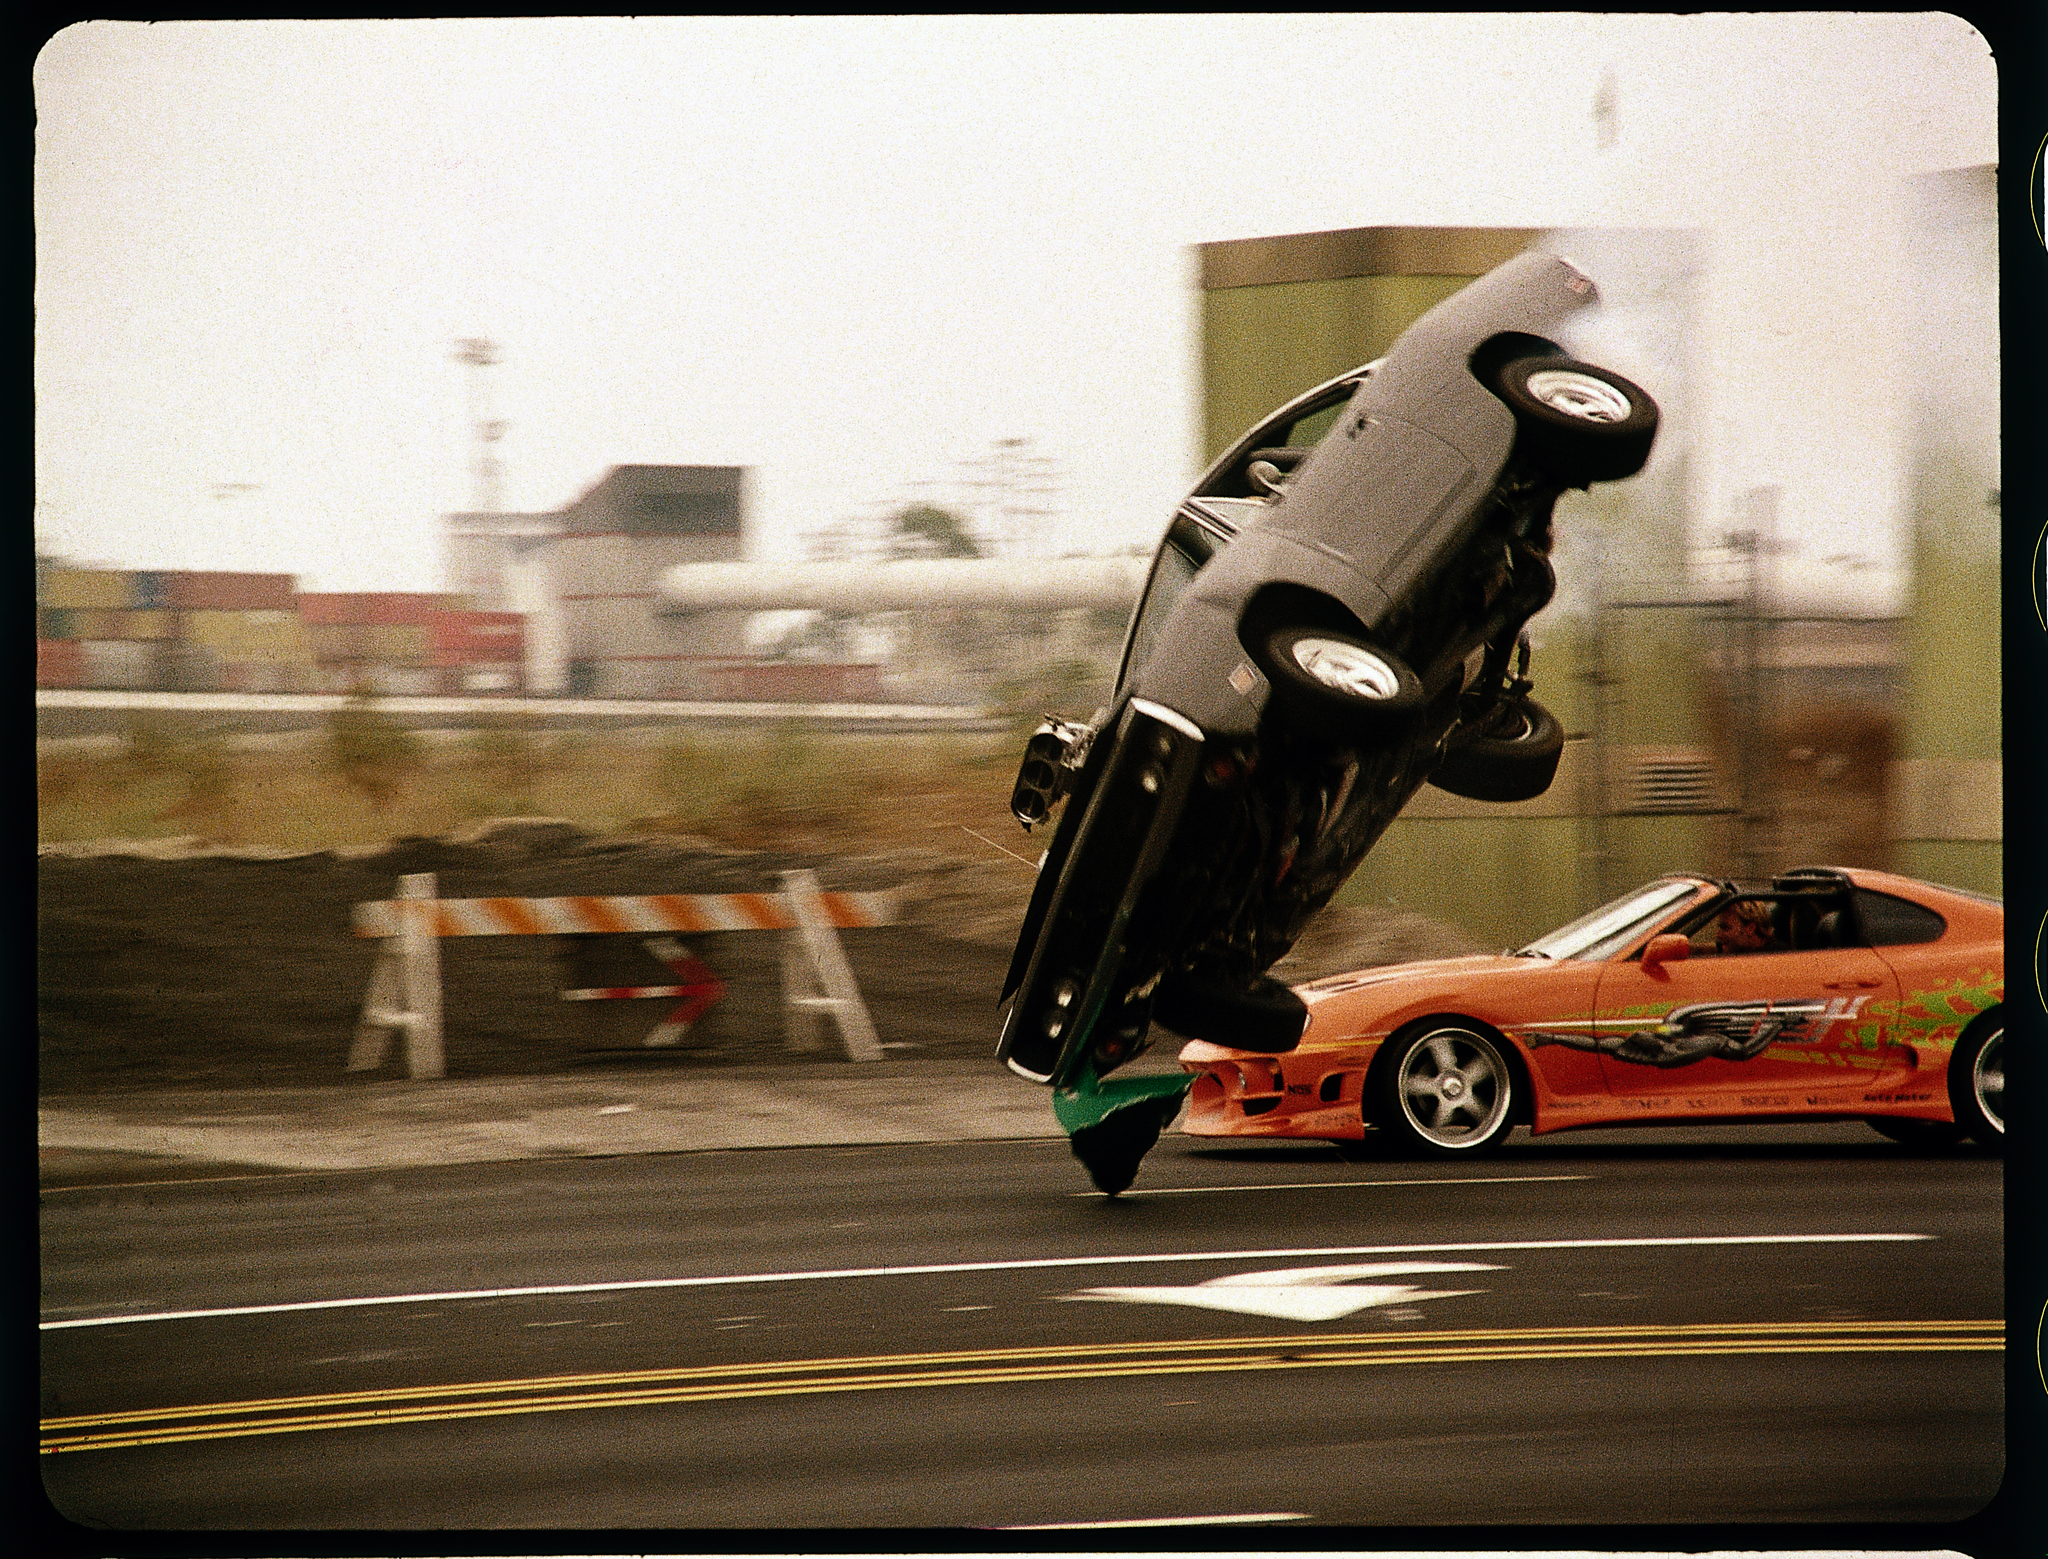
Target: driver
point(1744, 927)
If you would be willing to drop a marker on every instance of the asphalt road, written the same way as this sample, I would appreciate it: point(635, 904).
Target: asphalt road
point(961, 1335)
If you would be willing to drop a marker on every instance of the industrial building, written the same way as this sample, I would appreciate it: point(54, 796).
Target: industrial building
point(587, 578)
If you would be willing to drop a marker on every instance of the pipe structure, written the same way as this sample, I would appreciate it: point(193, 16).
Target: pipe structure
point(910, 584)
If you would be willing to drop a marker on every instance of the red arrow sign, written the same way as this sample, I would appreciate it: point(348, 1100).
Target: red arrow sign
point(700, 989)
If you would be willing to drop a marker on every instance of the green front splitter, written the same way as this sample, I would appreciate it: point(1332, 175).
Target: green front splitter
point(1112, 1125)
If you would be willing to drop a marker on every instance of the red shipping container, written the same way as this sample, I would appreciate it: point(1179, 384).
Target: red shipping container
point(327, 608)
point(57, 662)
point(465, 638)
point(205, 591)
point(375, 609)
point(401, 609)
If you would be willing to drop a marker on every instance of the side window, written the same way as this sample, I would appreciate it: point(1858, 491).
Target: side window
point(1889, 922)
point(1171, 573)
point(1738, 926)
point(1309, 431)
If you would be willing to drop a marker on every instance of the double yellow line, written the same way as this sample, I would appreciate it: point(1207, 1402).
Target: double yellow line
point(995, 1366)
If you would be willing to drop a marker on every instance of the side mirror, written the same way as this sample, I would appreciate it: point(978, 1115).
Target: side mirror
point(1670, 948)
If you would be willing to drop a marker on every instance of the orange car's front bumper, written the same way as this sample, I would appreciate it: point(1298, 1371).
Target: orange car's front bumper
point(1236, 1094)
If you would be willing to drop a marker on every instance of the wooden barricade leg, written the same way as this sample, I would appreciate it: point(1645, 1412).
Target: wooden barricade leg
point(813, 958)
point(405, 989)
point(803, 1021)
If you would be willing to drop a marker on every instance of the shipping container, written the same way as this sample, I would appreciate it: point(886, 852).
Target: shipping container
point(251, 636)
point(125, 664)
point(147, 589)
point(401, 609)
point(197, 591)
point(464, 638)
point(88, 589)
point(56, 622)
point(389, 608)
point(402, 644)
point(326, 608)
point(332, 641)
point(186, 668)
point(58, 663)
point(137, 625)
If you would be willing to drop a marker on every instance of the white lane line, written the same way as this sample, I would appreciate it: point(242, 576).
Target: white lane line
point(1256, 1519)
point(942, 1268)
point(1329, 1185)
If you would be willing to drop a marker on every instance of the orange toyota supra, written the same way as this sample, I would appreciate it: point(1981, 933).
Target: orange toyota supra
point(1832, 994)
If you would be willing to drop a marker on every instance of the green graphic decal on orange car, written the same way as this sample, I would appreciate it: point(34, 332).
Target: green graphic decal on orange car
point(1937, 1015)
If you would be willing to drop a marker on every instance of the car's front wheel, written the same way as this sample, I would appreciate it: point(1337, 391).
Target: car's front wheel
point(1976, 1084)
point(1326, 676)
point(1448, 1090)
point(1580, 423)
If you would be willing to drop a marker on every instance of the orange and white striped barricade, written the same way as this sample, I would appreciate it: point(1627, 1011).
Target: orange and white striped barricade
point(817, 980)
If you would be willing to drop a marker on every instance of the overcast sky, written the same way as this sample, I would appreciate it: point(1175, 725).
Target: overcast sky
point(853, 253)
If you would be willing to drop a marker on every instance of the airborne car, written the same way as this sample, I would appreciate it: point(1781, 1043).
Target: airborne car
point(1334, 617)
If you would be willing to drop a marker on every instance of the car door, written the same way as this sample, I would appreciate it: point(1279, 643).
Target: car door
point(1778, 1029)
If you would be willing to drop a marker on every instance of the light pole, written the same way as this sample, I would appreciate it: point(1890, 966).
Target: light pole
point(480, 352)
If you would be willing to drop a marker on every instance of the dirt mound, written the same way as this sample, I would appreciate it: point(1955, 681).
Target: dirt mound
point(171, 963)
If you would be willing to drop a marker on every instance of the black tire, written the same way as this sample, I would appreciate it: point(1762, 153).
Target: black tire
point(1976, 1083)
point(1579, 423)
point(1913, 1133)
point(1446, 1089)
point(1265, 1015)
point(1328, 678)
point(1513, 757)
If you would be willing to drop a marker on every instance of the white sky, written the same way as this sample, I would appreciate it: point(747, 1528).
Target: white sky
point(851, 253)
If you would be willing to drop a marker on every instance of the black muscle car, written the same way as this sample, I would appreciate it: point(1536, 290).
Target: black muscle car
point(1334, 618)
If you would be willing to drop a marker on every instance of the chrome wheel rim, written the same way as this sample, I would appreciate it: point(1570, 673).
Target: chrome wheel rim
point(1453, 1088)
point(1347, 668)
point(1578, 395)
point(1987, 1080)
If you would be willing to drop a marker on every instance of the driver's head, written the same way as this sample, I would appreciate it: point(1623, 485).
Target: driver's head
point(1743, 927)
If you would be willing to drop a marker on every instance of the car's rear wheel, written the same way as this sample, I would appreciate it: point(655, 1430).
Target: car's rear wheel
point(1915, 1133)
point(1448, 1090)
point(1577, 422)
point(1976, 1084)
point(1323, 675)
point(1513, 757)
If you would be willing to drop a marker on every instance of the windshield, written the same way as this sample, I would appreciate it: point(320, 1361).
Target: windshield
point(1612, 927)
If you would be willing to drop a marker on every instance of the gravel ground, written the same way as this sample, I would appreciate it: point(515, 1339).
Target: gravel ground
point(167, 964)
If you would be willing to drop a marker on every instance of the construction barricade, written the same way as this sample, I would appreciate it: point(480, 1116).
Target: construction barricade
point(405, 986)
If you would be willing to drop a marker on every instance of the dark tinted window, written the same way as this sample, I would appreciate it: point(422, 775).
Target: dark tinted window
point(1888, 921)
point(1171, 574)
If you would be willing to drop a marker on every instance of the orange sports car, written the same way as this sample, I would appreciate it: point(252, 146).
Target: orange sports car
point(1832, 994)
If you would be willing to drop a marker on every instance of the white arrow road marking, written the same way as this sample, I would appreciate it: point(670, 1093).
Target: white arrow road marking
point(1298, 1293)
